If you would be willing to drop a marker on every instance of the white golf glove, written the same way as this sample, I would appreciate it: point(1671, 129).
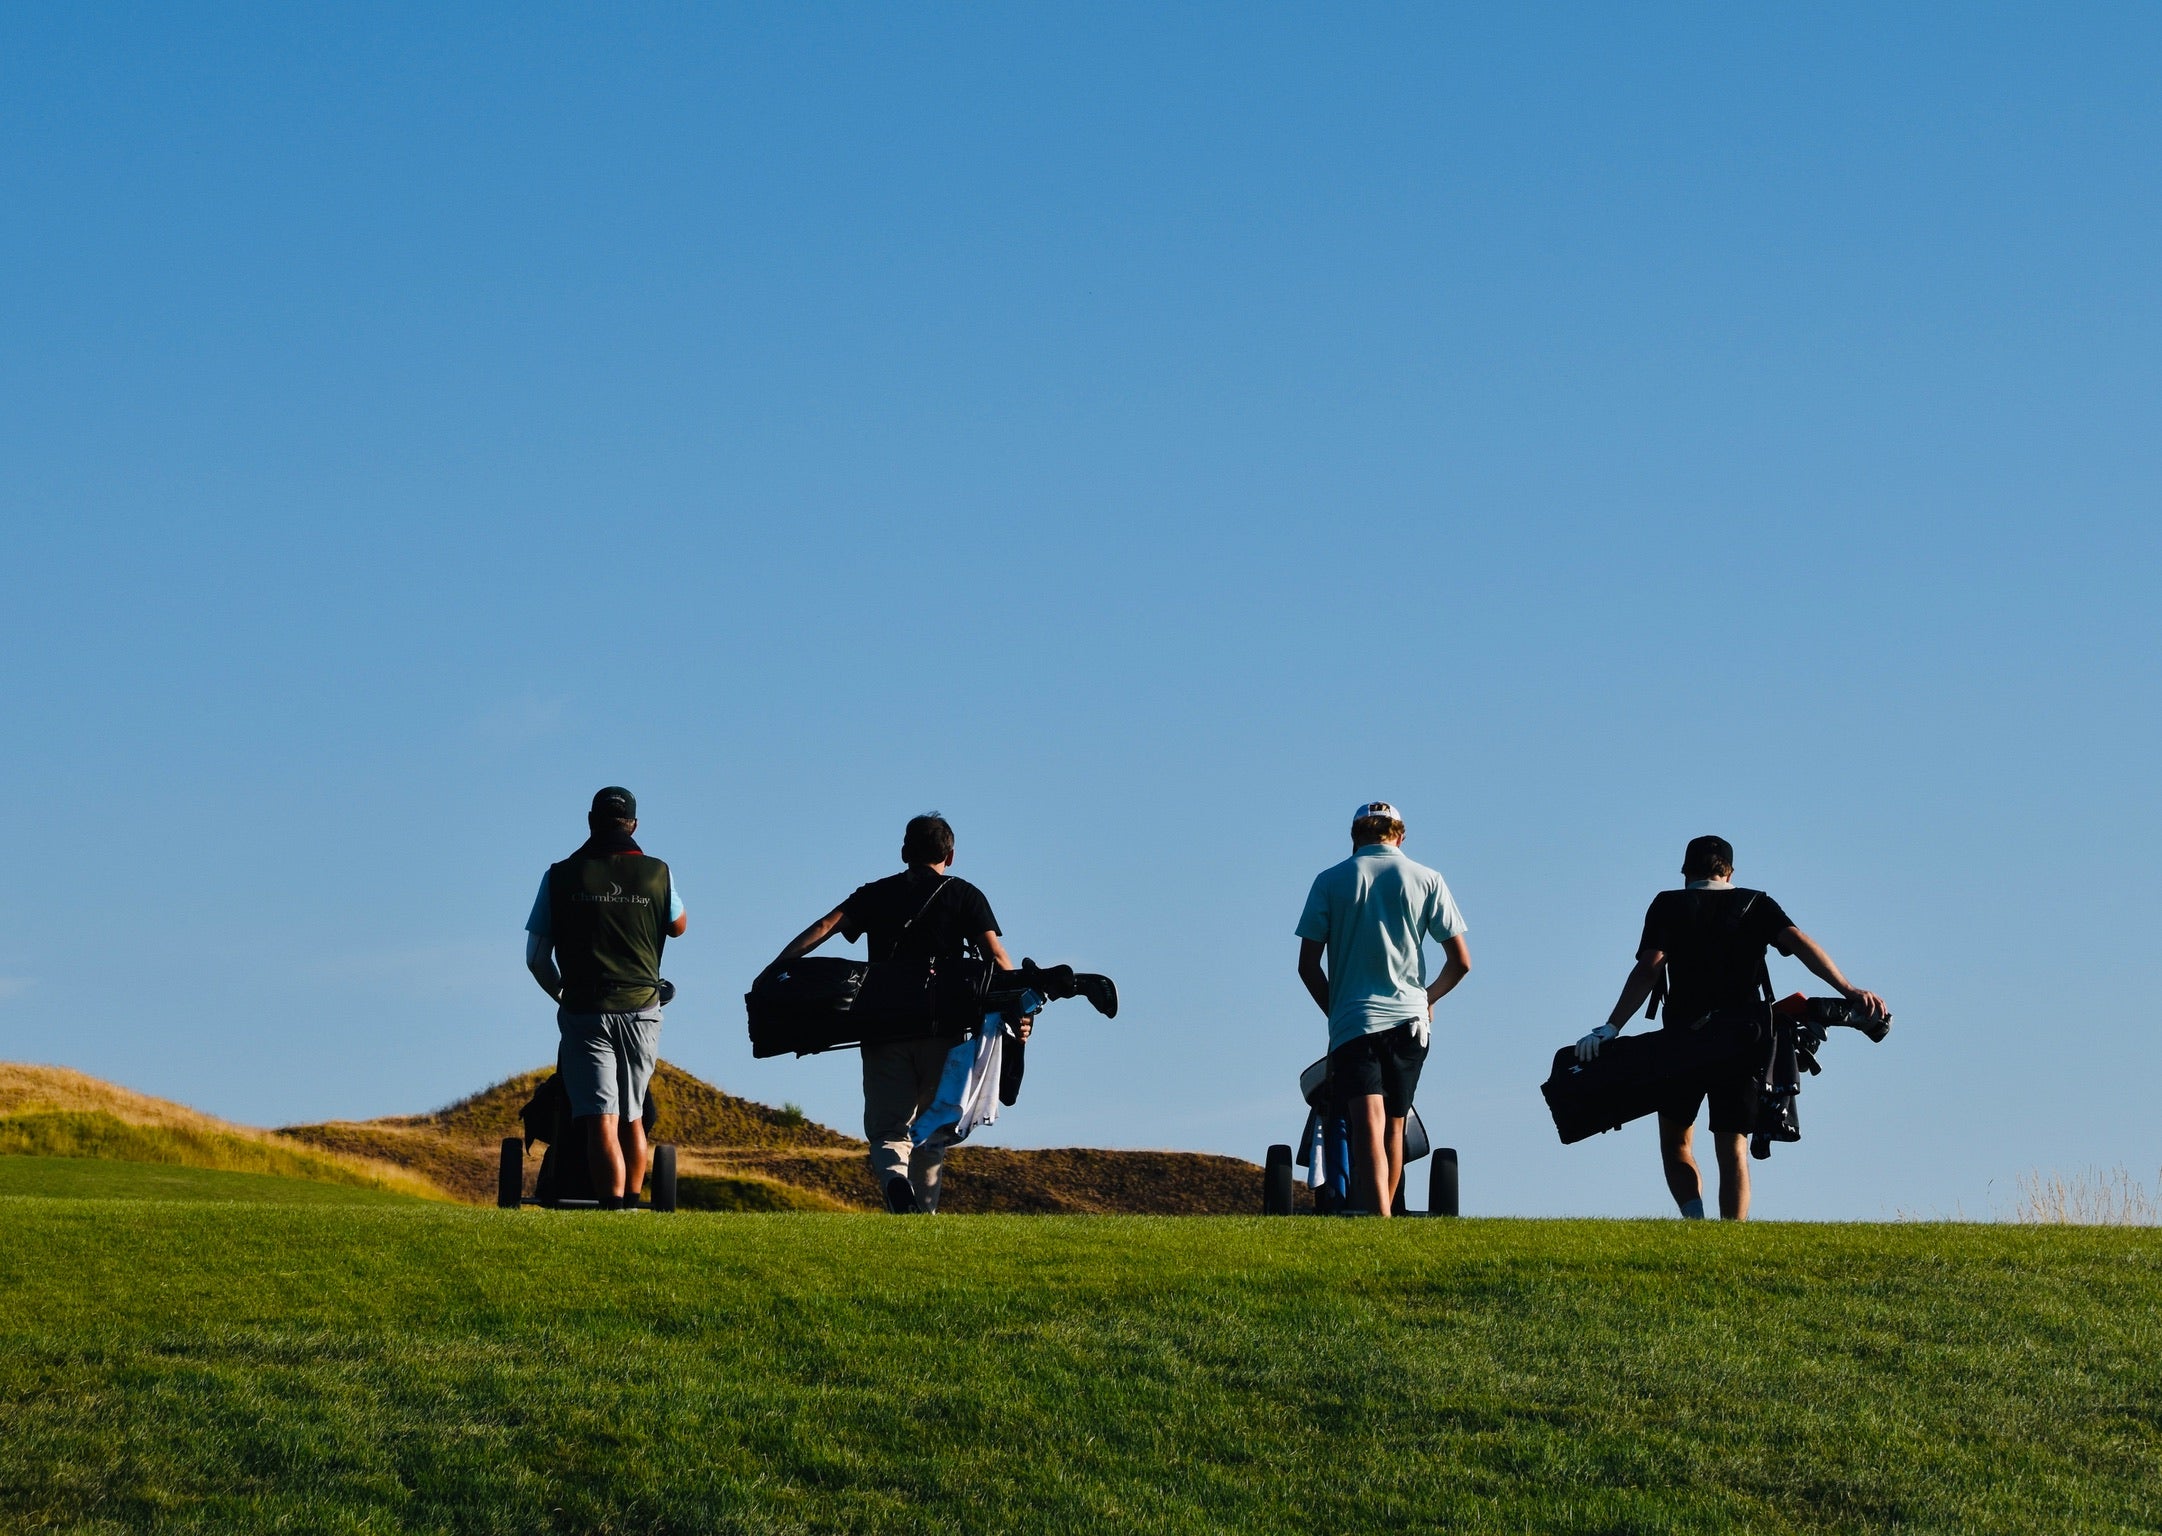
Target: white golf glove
point(1588, 1047)
point(1422, 1030)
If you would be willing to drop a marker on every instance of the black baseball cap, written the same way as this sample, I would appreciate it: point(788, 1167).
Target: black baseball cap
point(615, 801)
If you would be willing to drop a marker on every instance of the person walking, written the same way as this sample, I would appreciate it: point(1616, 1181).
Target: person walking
point(593, 942)
point(1371, 916)
point(1703, 947)
point(923, 915)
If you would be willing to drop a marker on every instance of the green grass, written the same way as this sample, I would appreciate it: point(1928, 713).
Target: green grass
point(423, 1368)
point(82, 1178)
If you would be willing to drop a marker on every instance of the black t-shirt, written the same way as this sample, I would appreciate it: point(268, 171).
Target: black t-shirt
point(1714, 942)
point(884, 910)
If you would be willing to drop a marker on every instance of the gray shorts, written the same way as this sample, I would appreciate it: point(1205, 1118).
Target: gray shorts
point(607, 1059)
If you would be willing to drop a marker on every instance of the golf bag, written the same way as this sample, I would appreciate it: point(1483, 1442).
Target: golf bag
point(1634, 1075)
point(564, 1170)
point(1798, 1031)
point(1325, 1144)
point(823, 1004)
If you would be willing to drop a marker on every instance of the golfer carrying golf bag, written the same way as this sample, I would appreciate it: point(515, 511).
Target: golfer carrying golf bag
point(1702, 951)
point(922, 915)
point(1372, 914)
point(594, 943)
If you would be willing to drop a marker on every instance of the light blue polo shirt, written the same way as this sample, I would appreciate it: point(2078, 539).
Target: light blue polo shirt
point(1375, 911)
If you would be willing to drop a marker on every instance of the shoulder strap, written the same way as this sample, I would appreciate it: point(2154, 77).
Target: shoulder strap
point(1764, 969)
point(1659, 991)
point(927, 903)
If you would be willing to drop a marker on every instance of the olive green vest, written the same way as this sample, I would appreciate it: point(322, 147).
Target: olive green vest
point(608, 920)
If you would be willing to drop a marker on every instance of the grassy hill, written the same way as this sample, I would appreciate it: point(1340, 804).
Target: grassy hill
point(54, 1112)
point(426, 1367)
point(737, 1154)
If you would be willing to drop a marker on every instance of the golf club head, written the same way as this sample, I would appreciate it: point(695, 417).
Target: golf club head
point(1837, 1010)
point(1101, 991)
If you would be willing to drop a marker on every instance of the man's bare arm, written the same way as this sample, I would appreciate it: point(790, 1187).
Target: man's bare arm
point(1801, 946)
point(680, 926)
point(1636, 989)
point(540, 962)
point(1310, 972)
point(811, 937)
point(1453, 970)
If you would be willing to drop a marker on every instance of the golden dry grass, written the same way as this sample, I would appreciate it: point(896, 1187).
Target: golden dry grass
point(2093, 1197)
point(744, 1155)
point(59, 1112)
point(26, 1089)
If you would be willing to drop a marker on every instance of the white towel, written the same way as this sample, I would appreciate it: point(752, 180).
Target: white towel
point(967, 1089)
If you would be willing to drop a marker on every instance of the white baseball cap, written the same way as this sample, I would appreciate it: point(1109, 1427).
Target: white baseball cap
point(1377, 808)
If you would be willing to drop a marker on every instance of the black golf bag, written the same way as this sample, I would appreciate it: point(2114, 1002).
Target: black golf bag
point(1798, 1031)
point(817, 1004)
point(1633, 1075)
point(564, 1170)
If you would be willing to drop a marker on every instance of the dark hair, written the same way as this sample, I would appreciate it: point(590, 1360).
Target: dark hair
point(596, 822)
point(1707, 858)
point(927, 840)
point(1375, 829)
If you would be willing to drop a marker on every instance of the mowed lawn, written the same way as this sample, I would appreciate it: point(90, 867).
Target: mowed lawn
point(222, 1367)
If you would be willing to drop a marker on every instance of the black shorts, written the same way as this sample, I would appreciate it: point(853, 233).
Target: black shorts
point(1387, 1063)
point(1734, 1105)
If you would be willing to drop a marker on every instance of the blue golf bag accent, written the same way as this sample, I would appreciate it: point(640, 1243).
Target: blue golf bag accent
point(1325, 1144)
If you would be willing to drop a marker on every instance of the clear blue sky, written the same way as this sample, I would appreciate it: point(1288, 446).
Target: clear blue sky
point(1142, 435)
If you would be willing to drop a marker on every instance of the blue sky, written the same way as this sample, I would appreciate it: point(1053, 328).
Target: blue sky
point(1141, 434)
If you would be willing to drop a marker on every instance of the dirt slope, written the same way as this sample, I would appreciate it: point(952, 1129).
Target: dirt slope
point(738, 1154)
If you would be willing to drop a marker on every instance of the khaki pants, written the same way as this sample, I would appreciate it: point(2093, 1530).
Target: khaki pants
point(900, 1079)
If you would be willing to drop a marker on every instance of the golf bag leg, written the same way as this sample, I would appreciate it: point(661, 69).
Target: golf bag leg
point(1276, 1182)
point(510, 1174)
point(1441, 1190)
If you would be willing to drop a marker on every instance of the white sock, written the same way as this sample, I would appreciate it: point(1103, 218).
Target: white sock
point(1694, 1209)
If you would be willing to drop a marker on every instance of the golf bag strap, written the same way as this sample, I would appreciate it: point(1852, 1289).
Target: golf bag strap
point(927, 903)
point(1764, 967)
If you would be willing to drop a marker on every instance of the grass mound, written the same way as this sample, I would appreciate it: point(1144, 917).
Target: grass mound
point(80, 1178)
point(57, 1112)
point(693, 1113)
point(1052, 1181)
point(94, 1134)
point(457, 1147)
point(749, 1156)
point(195, 1368)
point(766, 1159)
point(748, 1192)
